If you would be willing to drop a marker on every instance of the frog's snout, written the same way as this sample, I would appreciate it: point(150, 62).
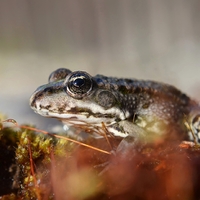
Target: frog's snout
point(36, 98)
point(32, 101)
point(39, 103)
point(39, 97)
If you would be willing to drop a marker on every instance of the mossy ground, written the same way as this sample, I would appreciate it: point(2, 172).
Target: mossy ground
point(31, 161)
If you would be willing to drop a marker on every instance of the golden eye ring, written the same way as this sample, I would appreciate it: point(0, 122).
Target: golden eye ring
point(78, 84)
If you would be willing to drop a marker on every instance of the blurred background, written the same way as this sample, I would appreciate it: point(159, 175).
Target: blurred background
point(152, 39)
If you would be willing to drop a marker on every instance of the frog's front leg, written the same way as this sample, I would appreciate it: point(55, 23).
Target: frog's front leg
point(134, 138)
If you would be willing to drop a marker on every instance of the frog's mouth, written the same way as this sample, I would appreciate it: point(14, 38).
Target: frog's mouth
point(78, 118)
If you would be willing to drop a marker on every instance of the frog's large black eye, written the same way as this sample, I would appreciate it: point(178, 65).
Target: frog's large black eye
point(79, 84)
point(58, 74)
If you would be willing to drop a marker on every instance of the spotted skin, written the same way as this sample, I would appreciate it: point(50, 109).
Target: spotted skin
point(127, 107)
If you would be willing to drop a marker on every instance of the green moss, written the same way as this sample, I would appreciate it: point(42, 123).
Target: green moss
point(31, 155)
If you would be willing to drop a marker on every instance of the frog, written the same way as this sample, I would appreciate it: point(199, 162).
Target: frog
point(136, 111)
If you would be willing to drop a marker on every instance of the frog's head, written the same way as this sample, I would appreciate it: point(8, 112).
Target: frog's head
point(76, 97)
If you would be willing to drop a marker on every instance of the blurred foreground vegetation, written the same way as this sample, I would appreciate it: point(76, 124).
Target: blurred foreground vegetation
point(35, 165)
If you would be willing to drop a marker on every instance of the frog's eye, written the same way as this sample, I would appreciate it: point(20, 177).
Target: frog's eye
point(79, 84)
point(58, 74)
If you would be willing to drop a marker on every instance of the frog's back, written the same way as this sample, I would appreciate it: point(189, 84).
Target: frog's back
point(148, 97)
point(135, 86)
